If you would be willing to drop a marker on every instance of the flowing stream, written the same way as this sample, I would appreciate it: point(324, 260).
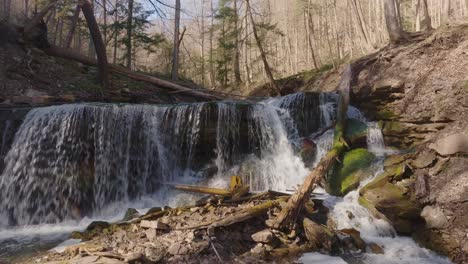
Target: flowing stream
point(69, 165)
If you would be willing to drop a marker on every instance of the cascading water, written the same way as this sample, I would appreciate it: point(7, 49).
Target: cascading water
point(74, 161)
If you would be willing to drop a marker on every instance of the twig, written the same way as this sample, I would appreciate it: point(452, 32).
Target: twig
point(215, 251)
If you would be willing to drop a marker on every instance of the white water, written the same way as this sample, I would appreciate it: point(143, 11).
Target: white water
point(275, 166)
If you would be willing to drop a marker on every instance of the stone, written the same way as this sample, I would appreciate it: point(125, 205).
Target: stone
point(154, 210)
point(33, 93)
point(130, 214)
point(154, 224)
point(434, 217)
point(424, 159)
point(376, 249)
point(356, 133)
point(450, 145)
point(420, 185)
point(134, 256)
point(319, 236)
point(308, 152)
point(150, 234)
point(154, 254)
point(354, 168)
point(69, 98)
point(264, 236)
point(356, 238)
point(259, 249)
point(85, 260)
point(178, 249)
point(104, 260)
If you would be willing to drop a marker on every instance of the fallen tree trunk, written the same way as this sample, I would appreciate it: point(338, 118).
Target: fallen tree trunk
point(289, 213)
point(72, 55)
point(38, 17)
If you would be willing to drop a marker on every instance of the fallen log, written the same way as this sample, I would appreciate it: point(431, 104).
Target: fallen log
point(71, 55)
point(204, 190)
point(287, 218)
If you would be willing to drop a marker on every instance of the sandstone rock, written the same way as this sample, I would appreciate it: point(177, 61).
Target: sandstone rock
point(435, 217)
point(134, 256)
point(84, 260)
point(69, 98)
point(178, 249)
point(104, 260)
point(154, 254)
point(154, 210)
point(154, 224)
point(264, 236)
point(356, 238)
point(457, 143)
point(259, 249)
point(319, 236)
point(424, 159)
point(150, 234)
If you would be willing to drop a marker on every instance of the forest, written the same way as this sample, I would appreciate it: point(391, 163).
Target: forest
point(233, 131)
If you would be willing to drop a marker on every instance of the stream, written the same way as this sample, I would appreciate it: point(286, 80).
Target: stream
point(69, 165)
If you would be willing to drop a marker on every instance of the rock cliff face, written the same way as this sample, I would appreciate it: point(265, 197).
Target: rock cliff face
point(419, 94)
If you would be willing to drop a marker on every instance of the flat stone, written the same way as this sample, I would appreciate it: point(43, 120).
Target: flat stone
point(435, 217)
point(264, 236)
point(134, 256)
point(178, 249)
point(154, 224)
point(154, 254)
point(105, 260)
point(424, 159)
point(453, 144)
point(150, 234)
point(85, 260)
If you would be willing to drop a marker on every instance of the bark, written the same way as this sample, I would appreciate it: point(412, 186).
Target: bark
point(103, 73)
point(204, 190)
point(237, 74)
point(129, 33)
point(423, 20)
point(262, 51)
point(289, 213)
point(175, 51)
point(392, 19)
point(91, 48)
point(212, 71)
point(74, 22)
point(104, 7)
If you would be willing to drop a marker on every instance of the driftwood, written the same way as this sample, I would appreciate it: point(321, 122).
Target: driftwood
point(204, 190)
point(72, 55)
point(288, 216)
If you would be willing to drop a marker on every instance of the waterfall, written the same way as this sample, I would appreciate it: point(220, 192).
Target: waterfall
point(71, 161)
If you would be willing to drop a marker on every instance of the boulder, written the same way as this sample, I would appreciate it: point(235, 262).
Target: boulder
point(392, 202)
point(434, 217)
point(424, 159)
point(130, 214)
point(354, 168)
point(356, 238)
point(178, 249)
point(356, 133)
point(150, 234)
point(154, 210)
point(154, 254)
point(391, 174)
point(453, 144)
point(308, 152)
point(92, 230)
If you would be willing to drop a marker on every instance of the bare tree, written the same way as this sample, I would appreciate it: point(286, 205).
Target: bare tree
point(72, 29)
point(129, 33)
point(175, 51)
point(262, 51)
point(423, 20)
point(392, 20)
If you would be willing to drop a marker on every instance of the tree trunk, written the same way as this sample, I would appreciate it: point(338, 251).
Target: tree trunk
point(423, 20)
point(39, 17)
point(237, 73)
point(360, 24)
point(129, 34)
point(289, 213)
point(262, 52)
point(91, 48)
point(104, 7)
point(103, 73)
point(175, 51)
point(392, 19)
point(212, 71)
point(74, 21)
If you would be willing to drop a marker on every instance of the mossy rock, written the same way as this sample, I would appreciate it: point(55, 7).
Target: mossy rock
point(93, 229)
point(356, 132)
point(391, 201)
point(391, 174)
point(354, 168)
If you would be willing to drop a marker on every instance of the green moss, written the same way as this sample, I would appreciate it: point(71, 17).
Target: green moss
point(347, 176)
point(385, 115)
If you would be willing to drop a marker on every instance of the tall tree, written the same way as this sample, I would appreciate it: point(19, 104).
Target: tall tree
point(175, 52)
point(129, 34)
point(392, 20)
point(262, 51)
point(237, 73)
point(423, 20)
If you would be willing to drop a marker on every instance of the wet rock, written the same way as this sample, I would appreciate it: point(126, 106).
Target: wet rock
point(69, 98)
point(457, 143)
point(319, 236)
point(308, 152)
point(154, 224)
point(392, 201)
point(356, 238)
point(264, 236)
point(154, 210)
point(376, 249)
point(92, 230)
point(424, 159)
point(130, 214)
point(421, 188)
point(356, 133)
point(391, 174)
point(354, 168)
point(434, 217)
